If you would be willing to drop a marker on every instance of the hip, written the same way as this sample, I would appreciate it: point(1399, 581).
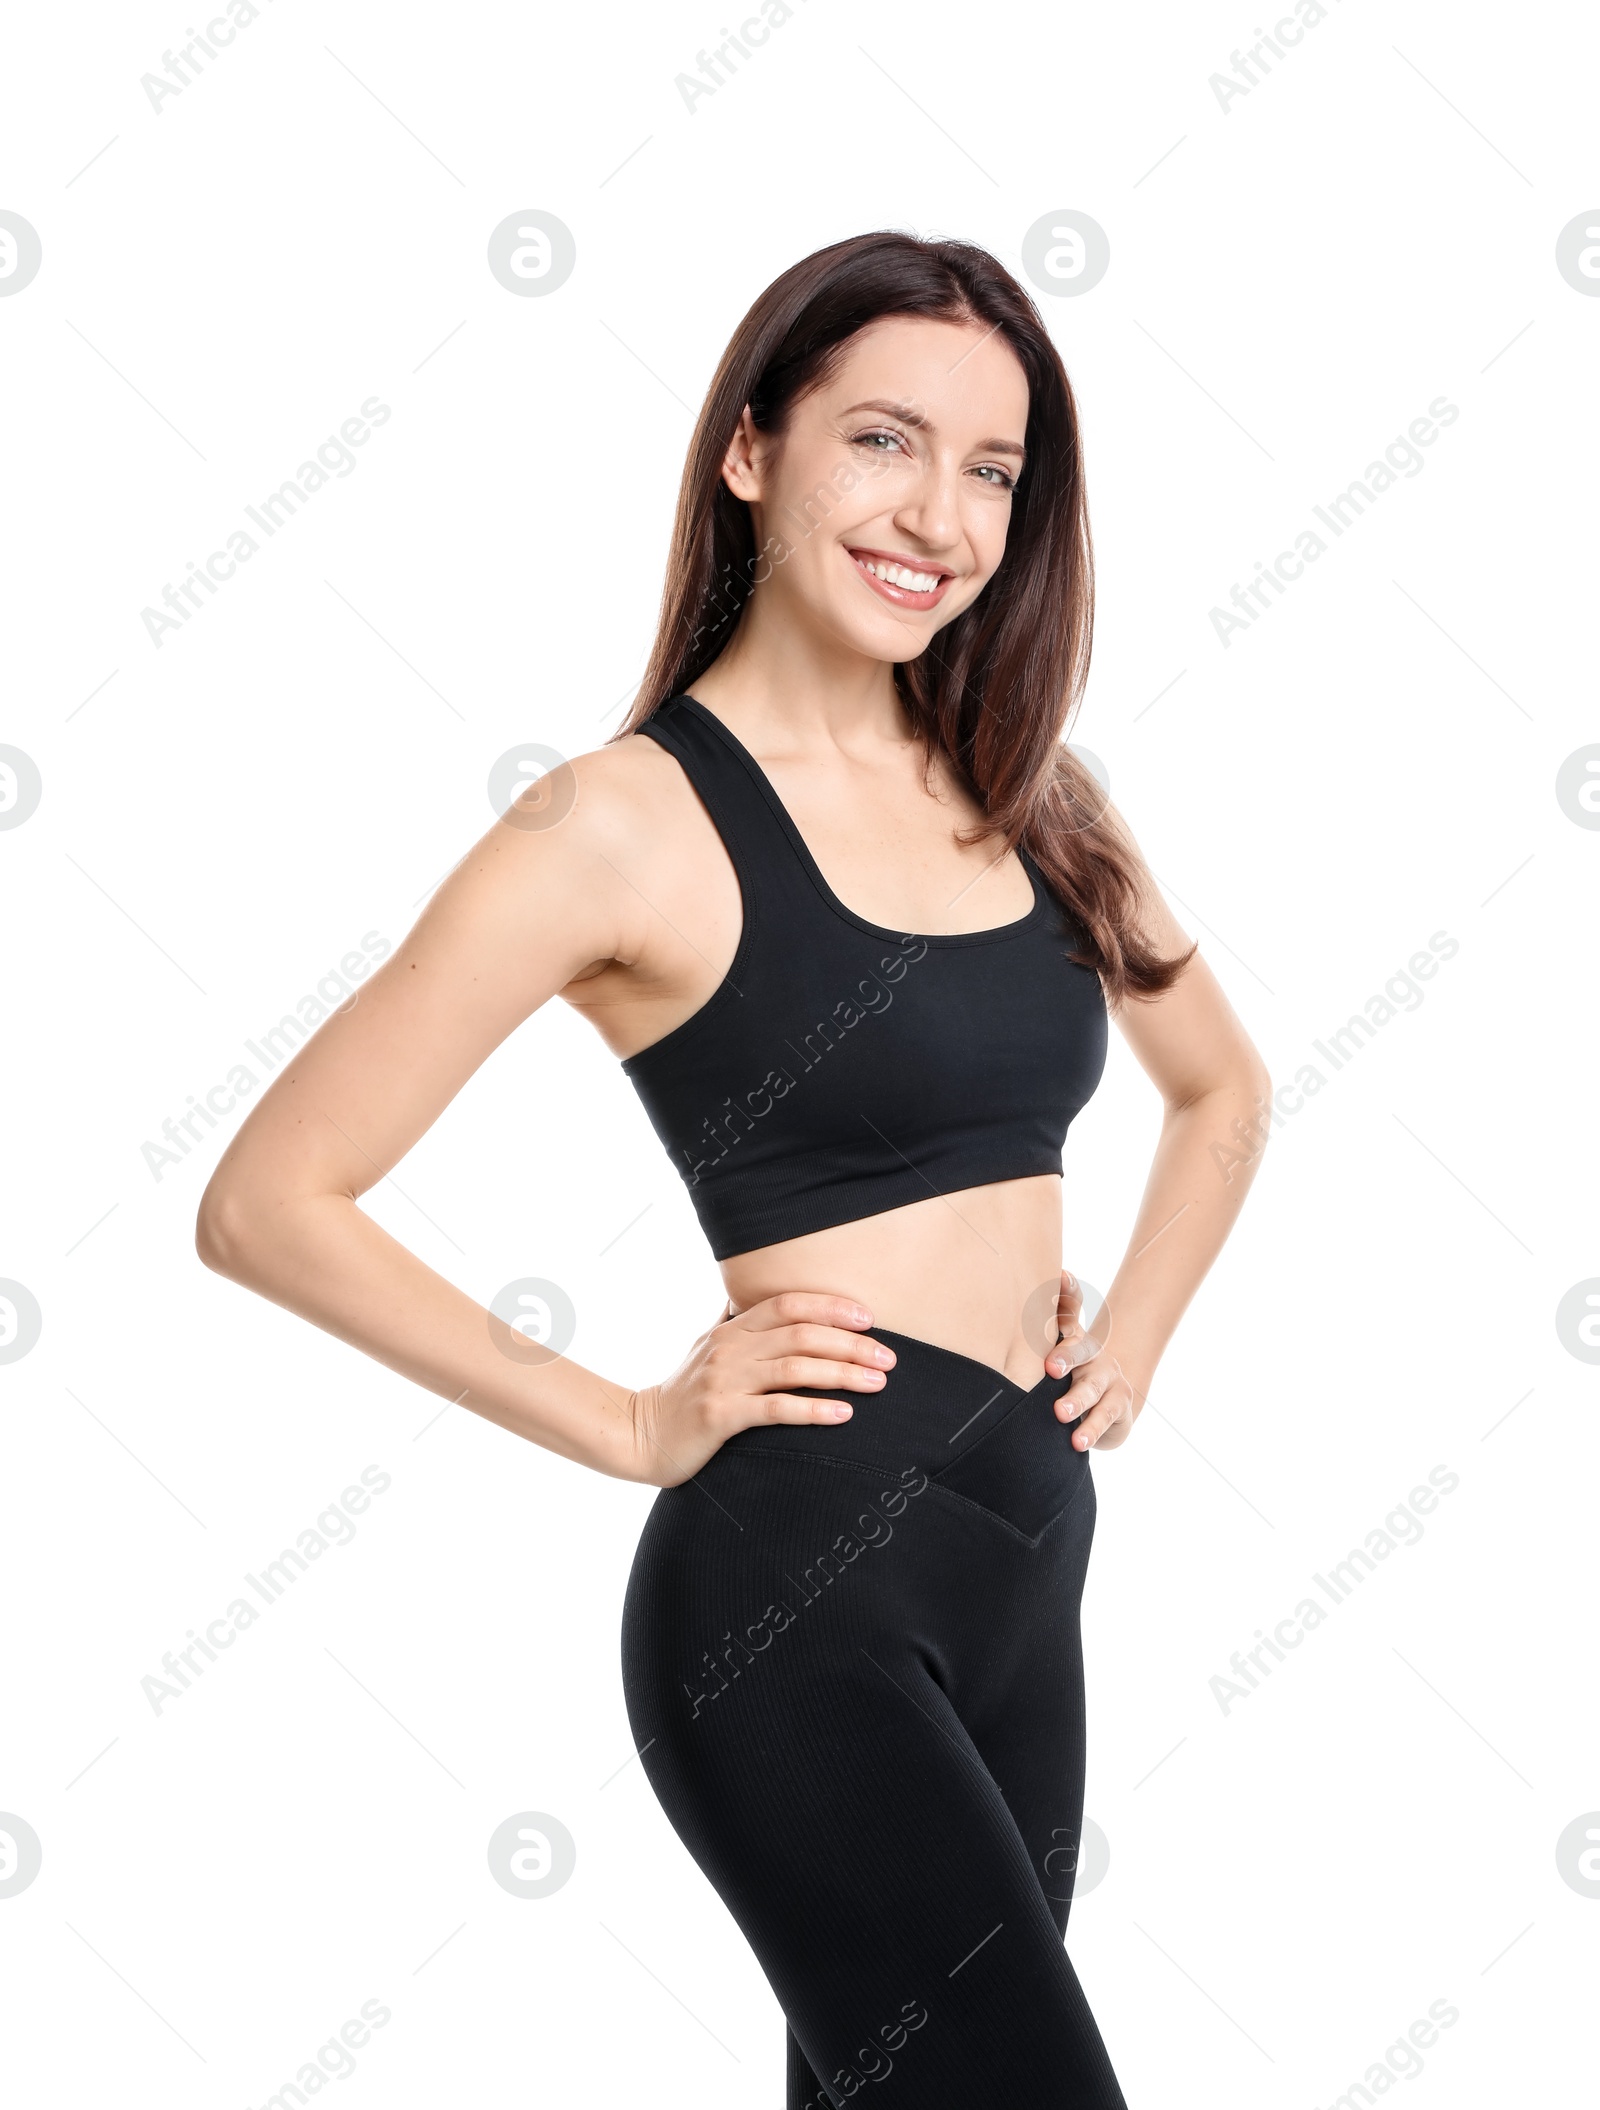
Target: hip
point(951, 1517)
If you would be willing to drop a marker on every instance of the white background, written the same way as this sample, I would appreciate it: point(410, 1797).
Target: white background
point(1293, 1881)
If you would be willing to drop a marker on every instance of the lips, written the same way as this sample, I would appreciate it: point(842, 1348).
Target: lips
point(900, 596)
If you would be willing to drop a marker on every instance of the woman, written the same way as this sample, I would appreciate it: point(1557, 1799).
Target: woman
point(853, 917)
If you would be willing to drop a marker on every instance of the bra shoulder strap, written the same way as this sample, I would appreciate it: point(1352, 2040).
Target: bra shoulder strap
point(722, 781)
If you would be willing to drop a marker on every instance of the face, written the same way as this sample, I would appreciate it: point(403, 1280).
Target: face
point(882, 510)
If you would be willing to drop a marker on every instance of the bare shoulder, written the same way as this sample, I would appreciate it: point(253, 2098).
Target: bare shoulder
point(555, 884)
point(608, 805)
point(634, 819)
point(626, 792)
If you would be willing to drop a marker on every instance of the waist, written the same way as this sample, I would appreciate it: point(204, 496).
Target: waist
point(945, 1421)
point(975, 1273)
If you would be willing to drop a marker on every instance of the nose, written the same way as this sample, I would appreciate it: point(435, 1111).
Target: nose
point(930, 512)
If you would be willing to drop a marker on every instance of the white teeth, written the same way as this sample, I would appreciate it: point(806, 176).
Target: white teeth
point(899, 575)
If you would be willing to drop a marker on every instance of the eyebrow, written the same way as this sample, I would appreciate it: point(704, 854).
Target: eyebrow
point(915, 417)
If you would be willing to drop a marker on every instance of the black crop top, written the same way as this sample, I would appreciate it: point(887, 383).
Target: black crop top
point(841, 1069)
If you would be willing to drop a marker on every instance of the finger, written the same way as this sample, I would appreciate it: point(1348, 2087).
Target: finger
point(1069, 1304)
point(1069, 1354)
point(831, 1341)
point(1104, 1417)
point(783, 1407)
point(1094, 1430)
point(792, 1307)
point(784, 1373)
point(1086, 1391)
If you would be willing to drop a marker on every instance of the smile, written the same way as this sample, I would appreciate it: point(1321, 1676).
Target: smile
point(902, 581)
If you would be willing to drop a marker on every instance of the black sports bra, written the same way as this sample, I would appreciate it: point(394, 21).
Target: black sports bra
point(841, 1069)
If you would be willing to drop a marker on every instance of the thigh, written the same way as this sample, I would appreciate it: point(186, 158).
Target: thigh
point(792, 1701)
point(1023, 1701)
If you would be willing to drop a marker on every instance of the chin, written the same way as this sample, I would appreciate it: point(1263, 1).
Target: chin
point(880, 636)
point(892, 643)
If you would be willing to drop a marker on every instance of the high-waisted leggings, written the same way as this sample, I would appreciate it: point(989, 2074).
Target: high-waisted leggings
point(852, 1669)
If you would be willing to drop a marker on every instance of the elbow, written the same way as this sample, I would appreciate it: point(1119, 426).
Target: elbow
point(1243, 1078)
point(1256, 1081)
point(223, 1231)
point(251, 1231)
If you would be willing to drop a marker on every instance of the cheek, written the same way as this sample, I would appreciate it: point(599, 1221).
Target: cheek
point(987, 527)
point(818, 565)
point(817, 516)
point(825, 483)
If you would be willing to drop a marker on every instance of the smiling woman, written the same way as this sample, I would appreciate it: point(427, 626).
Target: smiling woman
point(856, 922)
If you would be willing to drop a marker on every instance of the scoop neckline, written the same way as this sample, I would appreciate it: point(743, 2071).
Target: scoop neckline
point(994, 933)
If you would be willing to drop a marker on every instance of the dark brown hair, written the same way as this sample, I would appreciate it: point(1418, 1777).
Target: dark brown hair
point(996, 686)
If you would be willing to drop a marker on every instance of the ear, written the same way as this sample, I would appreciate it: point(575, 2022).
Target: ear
point(741, 465)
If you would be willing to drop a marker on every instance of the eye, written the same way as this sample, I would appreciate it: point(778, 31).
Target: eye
point(1007, 482)
point(865, 439)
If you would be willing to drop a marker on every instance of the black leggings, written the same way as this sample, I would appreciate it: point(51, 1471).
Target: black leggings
point(852, 1668)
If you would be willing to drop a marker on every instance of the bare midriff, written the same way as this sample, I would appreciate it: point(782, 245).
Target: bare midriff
point(976, 1271)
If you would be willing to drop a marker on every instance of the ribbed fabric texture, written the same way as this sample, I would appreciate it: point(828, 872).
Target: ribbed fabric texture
point(841, 1069)
point(852, 1668)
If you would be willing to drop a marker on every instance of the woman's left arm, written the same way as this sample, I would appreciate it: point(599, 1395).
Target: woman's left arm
point(1215, 1090)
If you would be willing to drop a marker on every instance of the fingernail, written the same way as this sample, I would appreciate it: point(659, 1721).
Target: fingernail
point(842, 1413)
point(875, 1377)
point(882, 1355)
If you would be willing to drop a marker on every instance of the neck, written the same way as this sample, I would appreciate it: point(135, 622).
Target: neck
point(782, 683)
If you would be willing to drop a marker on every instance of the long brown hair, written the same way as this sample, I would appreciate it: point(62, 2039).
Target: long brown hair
point(997, 685)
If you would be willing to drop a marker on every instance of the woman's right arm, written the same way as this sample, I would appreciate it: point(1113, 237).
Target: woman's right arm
point(528, 912)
